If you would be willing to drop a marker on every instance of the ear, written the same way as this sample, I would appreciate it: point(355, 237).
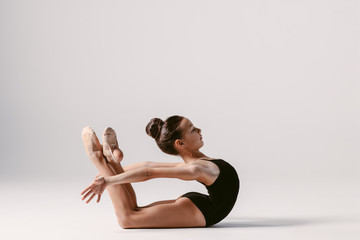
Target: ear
point(178, 143)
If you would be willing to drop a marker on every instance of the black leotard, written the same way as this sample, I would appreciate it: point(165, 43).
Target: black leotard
point(222, 194)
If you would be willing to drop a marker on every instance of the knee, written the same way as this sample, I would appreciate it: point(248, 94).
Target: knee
point(123, 224)
point(126, 222)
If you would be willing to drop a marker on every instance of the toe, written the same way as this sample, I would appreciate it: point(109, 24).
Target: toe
point(87, 130)
point(108, 130)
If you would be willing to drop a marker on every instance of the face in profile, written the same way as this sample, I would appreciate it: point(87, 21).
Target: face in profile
point(192, 137)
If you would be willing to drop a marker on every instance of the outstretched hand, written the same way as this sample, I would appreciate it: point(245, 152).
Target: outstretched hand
point(97, 187)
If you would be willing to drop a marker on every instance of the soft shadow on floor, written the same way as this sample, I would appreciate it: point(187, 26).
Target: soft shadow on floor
point(281, 222)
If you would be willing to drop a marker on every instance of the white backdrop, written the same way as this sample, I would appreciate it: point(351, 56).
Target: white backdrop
point(274, 86)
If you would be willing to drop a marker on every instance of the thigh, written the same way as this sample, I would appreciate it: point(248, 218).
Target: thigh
point(156, 203)
point(181, 213)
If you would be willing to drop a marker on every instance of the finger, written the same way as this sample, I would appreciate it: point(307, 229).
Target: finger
point(87, 195)
point(98, 200)
point(92, 196)
point(85, 190)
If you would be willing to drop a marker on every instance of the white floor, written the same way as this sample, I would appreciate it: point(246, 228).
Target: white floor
point(34, 210)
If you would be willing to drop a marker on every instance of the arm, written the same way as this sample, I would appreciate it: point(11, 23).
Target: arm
point(189, 172)
point(149, 164)
point(184, 172)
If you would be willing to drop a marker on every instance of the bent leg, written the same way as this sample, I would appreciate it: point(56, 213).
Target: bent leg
point(114, 156)
point(117, 169)
point(120, 197)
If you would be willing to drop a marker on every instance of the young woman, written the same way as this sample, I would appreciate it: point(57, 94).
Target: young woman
point(176, 136)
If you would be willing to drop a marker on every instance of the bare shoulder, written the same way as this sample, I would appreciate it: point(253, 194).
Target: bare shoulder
point(210, 171)
point(207, 165)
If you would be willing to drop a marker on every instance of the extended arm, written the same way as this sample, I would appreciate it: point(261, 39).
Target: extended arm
point(184, 172)
point(149, 164)
point(187, 172)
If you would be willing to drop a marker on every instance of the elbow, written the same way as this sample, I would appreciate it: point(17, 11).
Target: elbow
point(146, 173)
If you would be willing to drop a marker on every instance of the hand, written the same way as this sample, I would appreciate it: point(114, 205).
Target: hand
point(97, 187)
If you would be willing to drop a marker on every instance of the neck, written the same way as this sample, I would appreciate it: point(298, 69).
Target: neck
point(192, 156)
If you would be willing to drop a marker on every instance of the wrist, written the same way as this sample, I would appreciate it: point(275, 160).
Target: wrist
point(107, 181)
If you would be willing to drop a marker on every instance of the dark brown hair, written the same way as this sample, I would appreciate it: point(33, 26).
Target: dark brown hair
point(165, 133)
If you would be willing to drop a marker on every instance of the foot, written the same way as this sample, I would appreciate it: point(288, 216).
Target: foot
point(91, 143)
point(111, 148)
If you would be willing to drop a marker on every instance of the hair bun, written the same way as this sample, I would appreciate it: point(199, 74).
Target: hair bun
point(153, 128)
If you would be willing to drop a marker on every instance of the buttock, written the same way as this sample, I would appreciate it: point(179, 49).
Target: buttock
point(204, 204)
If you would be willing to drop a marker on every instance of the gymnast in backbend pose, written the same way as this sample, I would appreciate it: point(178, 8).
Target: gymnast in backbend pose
point(176, 136)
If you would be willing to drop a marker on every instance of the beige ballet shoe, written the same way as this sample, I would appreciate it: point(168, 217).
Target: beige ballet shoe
point(110, 143)
point(91, 142)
